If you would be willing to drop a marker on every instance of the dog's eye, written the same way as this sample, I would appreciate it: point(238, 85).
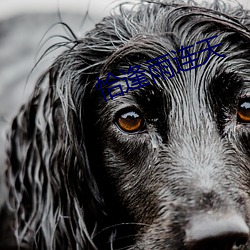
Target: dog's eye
point(130, 121)
point(243, 113)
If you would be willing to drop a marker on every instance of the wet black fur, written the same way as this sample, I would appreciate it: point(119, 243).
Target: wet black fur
point(76, 181)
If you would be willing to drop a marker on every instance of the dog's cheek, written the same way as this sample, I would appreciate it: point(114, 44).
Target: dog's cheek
point(242, 141)
point(131, 172)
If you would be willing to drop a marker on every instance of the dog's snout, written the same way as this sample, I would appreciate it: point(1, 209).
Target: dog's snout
point(217, 232)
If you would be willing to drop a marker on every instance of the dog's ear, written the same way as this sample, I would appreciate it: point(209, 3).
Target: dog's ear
point(53, 195)
point(49, 178)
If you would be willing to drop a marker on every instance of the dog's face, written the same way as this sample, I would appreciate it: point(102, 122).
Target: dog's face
point(164, 166)
point(177, 151)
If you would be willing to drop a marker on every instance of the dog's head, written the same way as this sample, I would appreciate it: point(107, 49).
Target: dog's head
point(162, 166)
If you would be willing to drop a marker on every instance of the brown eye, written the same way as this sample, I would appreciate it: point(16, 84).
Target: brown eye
point(243, 113)
point(130, 121)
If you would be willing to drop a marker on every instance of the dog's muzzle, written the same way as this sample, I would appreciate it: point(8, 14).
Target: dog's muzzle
point(217, 232)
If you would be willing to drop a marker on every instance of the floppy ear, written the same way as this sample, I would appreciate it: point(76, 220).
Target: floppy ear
point(51, 186)
point(53, 197)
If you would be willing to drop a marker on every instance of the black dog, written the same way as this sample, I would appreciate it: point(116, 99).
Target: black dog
point(164, 166)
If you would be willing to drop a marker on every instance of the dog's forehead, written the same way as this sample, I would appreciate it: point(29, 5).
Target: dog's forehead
point(182, 52)
point(197, 83)
point(195, 65)
point(187, 70)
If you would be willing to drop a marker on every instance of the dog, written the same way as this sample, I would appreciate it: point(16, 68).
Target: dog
point(163, 166)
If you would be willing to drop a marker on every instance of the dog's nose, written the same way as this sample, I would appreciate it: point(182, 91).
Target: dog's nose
point(217, 232)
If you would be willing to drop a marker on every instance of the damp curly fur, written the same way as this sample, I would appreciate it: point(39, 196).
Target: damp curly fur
point(70, 186)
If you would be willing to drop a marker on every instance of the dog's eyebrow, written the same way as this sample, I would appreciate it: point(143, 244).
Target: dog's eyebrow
point(225, 88)
point(227, 81)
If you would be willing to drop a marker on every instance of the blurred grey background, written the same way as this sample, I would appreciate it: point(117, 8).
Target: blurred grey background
point(26, 23)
